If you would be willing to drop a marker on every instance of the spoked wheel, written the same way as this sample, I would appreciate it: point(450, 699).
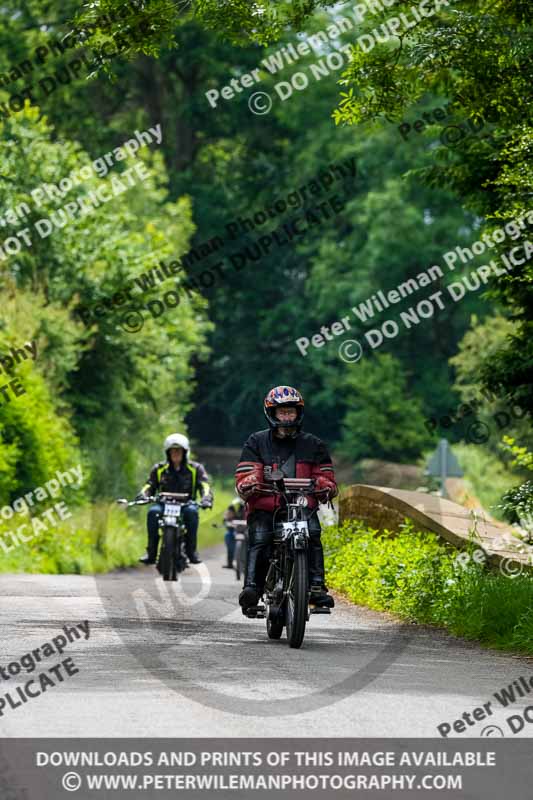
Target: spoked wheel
point(297, 600)
point(168, 555)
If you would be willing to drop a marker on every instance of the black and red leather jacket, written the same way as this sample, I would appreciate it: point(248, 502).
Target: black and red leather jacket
point(312, 460)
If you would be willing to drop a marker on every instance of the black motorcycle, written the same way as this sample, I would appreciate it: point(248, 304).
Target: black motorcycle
point(287, 591)
point(172, 557)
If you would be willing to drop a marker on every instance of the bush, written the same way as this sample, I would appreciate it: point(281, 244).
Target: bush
point(418, 577)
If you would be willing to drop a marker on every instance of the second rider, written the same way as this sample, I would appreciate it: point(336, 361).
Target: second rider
point(182, 475)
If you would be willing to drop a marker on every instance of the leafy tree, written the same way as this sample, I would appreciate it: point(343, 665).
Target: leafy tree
point(123, 390)
point(478, 55)
point(232, 163)
point(383, 420)
point(240, 22)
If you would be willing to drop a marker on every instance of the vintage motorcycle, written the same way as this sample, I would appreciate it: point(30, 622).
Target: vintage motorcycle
point(172, 558)
point(287, 593)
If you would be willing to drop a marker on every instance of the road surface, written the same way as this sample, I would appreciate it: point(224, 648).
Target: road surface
point(180, 659)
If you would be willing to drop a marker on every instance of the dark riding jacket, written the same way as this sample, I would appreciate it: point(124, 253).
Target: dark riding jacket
point(191, 478)
point(311, 460)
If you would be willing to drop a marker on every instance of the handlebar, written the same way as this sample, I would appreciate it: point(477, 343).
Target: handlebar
point(122, 501)
point(279, 483)
point(162, 497)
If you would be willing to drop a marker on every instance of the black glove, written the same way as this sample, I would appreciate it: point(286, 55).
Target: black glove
point(206, 502)
point(141, 496)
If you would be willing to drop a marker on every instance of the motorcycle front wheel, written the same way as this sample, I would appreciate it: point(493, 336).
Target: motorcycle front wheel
point(168, 555)
point(297, 596)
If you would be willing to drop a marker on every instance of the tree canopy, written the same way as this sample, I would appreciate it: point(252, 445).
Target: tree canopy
point(436, 126)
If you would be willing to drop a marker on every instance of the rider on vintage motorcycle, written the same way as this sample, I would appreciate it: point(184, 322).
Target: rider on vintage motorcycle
point(177, 474)
point(235, 510)
point(298, 455)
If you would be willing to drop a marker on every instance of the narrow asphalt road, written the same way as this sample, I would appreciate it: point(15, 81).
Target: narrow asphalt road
point(179, 659)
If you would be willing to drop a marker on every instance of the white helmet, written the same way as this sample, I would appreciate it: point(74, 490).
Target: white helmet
point(176, 440)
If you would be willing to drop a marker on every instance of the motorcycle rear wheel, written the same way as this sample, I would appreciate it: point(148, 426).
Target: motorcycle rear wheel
point(297, 596)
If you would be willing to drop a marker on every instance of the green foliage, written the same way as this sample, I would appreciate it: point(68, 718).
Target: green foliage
point(36, 434)
point(478, 347)
point(78, 545)
point(103, 377)
point(387, 231)
point(231, 163)
point(477, 463)
point(98, 538)
point(240, 21)
point(208, 535)
point(416, 576)
point(522, 457)
point(383, 420)
point(477, 55)
point(517, 505)
point(112, 395)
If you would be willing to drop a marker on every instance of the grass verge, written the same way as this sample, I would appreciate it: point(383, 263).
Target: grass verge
point(416, 576)
point(96, 538)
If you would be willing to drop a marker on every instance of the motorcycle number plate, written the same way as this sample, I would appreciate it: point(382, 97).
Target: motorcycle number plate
point(294, 528)
point(171, 510)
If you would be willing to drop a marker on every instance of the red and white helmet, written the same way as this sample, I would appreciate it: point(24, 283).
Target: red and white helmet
point(283, 396)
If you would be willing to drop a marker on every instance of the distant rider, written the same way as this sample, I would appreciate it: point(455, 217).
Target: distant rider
point(177, 474)
point(299, 455)
point(235, 510)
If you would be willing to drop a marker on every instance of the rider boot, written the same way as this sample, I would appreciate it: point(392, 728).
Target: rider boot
point(260, 538)
point(249, 596)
